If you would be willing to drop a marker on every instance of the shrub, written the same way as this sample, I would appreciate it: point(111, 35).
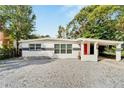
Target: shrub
point(6, 52)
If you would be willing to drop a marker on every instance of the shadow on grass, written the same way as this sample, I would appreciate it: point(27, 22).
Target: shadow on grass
point(18, 63)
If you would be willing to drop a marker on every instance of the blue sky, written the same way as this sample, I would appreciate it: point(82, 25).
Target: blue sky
point(49, 17)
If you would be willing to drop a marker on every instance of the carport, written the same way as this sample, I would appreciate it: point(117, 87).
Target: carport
point(89, 48)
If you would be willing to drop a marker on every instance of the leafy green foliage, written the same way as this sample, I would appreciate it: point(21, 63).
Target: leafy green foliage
point(5, 52)
point(61, 32)
point(98, 21)
point(19, 20)
point(34, 36)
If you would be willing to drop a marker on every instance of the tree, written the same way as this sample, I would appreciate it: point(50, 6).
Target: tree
point(44, 36)
point(61, 32)
point(98, 21)
point(19, 20)
point(80, 23)
point(120, 26)
point(32, 36)
point(35, 36)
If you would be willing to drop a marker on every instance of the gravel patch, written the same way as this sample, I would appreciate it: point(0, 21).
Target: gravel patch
point(61, 73)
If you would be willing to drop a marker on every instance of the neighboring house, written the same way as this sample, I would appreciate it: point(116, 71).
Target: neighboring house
point(86, 48)
point(4, 39)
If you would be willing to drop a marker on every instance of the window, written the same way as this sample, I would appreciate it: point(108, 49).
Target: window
point(63, 48)
point(56, 47)
point(91, 48)
point(38, 46)
point(32, 46)
point(69, 48)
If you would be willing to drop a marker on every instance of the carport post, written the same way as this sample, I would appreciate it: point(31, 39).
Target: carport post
point(82, 51)
point(96, 50)
point(118, 52)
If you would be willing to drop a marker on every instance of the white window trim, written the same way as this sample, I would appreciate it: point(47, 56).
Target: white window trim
point(34, 47)
point(61, 49)
point(30, 47)
point(57, 48)
point(65, 49)
point(70, 48)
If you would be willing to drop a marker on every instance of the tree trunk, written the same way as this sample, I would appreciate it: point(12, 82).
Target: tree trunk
point(17, 48)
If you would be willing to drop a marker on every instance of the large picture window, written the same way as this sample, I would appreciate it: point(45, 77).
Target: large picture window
point(63, 48)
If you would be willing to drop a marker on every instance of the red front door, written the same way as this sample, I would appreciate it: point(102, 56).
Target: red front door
point(85, 49)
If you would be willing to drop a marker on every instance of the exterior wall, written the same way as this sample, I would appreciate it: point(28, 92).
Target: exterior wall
point(93, 57)
point(118, 52)
point(49, 52)
point(48, 45)
point(88, 47)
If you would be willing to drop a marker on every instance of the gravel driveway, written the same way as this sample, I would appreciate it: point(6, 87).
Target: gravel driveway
point(61, 73)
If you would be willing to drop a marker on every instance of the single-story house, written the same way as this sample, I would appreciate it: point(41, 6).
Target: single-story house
point(86, 48)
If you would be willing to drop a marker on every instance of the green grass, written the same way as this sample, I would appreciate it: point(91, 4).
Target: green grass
point(113, 54)
point(122, 53)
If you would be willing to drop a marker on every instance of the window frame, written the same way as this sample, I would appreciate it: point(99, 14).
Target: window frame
point(65, 48)
point(69, 49)
point(30, 47)
point(58, 49)
point(35, 47)
point(92, 47)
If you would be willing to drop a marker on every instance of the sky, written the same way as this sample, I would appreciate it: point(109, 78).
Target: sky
point(49, 17)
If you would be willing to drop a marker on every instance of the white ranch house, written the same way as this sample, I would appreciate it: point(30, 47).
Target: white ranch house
point(86, 48)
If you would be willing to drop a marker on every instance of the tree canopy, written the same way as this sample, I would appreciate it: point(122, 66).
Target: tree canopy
point(61, 32)
point(98, 21)
point(18, 20)
point(35, 36)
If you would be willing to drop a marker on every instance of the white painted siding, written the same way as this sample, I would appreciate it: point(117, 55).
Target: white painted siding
point(49, 45)
point(49, 53)
point(89, 57)
point(118, 52)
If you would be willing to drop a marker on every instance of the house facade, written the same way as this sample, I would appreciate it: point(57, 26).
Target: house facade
point(86, 49)
point(52, 48)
